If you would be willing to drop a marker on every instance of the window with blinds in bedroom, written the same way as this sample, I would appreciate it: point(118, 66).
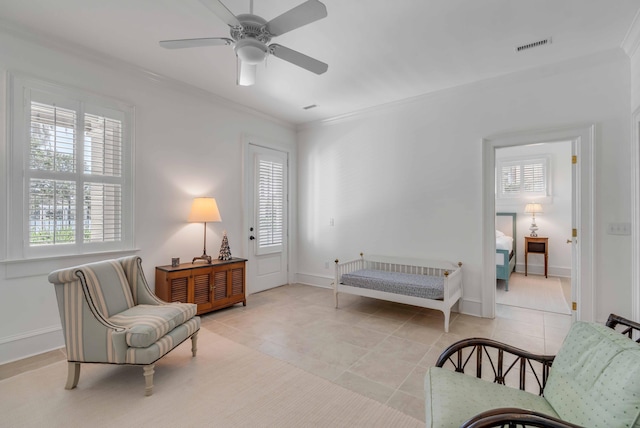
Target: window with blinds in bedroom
point(73, 151)
point(518, 178)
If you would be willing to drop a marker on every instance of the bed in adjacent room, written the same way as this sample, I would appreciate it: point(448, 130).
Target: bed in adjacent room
point(505, 246)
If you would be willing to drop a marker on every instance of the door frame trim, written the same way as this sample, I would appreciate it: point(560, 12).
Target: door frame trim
point(585, 136)
point(635, 215)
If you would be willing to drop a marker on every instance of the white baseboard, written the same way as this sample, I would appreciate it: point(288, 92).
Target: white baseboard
point(31, 343)
point(312, 279)
point(470, 307)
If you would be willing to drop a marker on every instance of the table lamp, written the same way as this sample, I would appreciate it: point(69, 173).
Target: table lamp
point(204, 210)
point(532, 209)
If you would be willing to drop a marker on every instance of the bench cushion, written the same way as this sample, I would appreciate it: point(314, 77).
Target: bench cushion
point(453, 398)
point(146, 324)
point(425, 286)
point(595, 378)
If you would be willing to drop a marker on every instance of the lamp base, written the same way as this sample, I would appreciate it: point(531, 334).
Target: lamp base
point(203, 257)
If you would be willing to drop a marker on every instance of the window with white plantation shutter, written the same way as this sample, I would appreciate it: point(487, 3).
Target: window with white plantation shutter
point(77, 193)
point(522, 178)
point(270, 204)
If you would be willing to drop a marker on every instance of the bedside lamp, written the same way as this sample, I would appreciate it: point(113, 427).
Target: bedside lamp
point(204, 210)
point(533, 209)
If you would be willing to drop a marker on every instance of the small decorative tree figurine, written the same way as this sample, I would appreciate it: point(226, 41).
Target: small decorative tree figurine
point(225, 251)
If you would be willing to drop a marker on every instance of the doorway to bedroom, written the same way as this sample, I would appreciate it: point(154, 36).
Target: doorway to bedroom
point(533, 202)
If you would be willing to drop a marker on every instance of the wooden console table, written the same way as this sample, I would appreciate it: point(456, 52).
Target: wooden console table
point(210, 286)
point(537, 245)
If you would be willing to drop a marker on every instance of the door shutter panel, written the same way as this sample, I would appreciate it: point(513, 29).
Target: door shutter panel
point(270, 204)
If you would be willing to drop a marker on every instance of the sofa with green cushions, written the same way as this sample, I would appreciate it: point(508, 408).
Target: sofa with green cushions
point(593, 381)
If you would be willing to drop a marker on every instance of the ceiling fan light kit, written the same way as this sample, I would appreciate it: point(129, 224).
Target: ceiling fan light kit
point(250, 35)
point(250, 51)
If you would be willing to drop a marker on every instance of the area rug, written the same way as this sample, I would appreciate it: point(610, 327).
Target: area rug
point(226, 385)
point(533, 292)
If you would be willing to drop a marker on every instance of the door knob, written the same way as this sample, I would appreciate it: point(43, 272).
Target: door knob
point(252, 237)
point(569, 241)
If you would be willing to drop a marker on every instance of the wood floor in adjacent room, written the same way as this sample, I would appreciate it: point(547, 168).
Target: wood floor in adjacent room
point(377, 349)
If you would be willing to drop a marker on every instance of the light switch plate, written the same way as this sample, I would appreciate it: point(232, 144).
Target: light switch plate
point(619, 228)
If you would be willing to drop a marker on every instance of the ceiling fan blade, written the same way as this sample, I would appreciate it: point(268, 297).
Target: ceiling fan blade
point(223, 13)
point(195, 43)
point(246, 73)
point(303, 14)
point(296, 58)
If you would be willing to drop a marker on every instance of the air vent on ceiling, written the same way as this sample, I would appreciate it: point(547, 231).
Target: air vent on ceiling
point(542, 42)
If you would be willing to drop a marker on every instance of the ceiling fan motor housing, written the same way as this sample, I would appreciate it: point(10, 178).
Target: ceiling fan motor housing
point(252, 26)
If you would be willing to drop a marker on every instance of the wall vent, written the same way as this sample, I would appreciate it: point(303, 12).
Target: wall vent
point(543, 42)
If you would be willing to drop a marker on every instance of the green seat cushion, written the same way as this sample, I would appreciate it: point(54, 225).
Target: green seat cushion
point(453, 398)
point(146, 324)
point(595, 378)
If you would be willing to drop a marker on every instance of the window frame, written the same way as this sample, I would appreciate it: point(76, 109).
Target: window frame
point(521, 162)
point(22, 90)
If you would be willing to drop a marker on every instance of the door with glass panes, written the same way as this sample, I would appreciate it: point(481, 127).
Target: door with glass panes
point(268, 233)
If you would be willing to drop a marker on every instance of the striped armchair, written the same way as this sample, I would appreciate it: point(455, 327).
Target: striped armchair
point(109, 315)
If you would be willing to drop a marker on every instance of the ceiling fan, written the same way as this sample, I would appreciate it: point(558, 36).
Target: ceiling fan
point(250, 35)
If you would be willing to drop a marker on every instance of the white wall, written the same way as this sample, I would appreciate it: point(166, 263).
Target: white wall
point(635, 80)
point(406, 179)
point(555, 221)
point(187, 144)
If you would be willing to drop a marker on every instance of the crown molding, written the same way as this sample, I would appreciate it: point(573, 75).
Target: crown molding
point(119, 65)
point(631, 41)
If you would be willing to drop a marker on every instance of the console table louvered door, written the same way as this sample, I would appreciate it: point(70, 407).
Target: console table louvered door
point(210, 286)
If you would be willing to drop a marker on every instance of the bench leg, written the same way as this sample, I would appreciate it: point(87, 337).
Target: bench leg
point(335, 297)
point(148, 379)
point(446, 320)
point(73, 375)
point(194, 343)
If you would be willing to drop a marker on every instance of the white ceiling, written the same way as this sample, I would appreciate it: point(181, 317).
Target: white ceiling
point(378, 51)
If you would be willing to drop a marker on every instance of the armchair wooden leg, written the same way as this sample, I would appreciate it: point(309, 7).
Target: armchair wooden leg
point(194, 343)
point(73, 375)
point(148, 379)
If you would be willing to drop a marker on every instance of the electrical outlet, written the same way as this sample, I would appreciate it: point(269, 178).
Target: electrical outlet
point(327, 264)
point(619, 228)
point(331, 222)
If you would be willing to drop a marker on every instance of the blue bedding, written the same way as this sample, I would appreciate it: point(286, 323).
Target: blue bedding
point(425, 286)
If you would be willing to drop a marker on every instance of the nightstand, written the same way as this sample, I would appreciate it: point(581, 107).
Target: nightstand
point(538, 245)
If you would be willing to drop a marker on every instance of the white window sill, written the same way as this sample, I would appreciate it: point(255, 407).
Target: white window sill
point(21, 268)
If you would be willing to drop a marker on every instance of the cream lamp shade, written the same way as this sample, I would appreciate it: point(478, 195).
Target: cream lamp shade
point(532, 209)
point(204, 210)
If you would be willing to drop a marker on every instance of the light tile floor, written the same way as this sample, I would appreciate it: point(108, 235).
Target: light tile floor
point(379, 349)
